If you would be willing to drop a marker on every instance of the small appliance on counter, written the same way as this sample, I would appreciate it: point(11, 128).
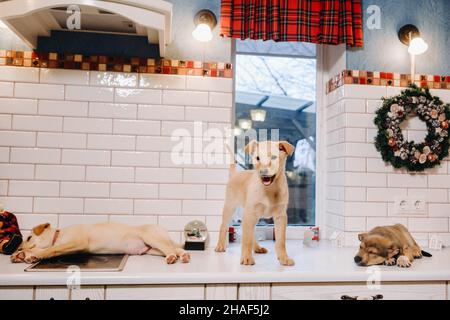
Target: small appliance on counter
point(85, 262)
point(195, 235)
point(232, 234)
point(10, 236)
point(311, 236)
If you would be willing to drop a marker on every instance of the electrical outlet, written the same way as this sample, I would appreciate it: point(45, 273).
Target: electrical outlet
point(401, 205)
point(419, 204)
point(410, 205)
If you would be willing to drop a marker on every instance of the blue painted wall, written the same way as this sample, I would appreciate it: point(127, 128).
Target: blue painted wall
point(384, 52)
point(184, 46)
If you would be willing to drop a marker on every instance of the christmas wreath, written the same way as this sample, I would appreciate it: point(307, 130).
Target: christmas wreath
point(390, 141)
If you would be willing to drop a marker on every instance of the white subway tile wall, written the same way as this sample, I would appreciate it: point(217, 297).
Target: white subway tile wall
point(361, 188)
point(87, 147)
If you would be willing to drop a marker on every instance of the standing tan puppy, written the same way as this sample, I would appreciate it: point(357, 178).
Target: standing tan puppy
point(263, 193)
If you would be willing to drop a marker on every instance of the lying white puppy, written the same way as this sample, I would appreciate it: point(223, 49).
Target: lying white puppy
point(103, 238)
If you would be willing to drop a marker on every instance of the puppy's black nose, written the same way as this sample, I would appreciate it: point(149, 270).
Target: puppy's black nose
point(357, 259)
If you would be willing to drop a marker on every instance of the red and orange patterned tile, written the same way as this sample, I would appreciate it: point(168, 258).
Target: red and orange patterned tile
point(117, 64)
point(381, 78)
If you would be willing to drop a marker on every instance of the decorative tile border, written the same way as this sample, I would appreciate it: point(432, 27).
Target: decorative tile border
point(117, 64)
point(377, 78)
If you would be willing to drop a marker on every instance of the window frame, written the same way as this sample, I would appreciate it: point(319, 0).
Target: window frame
point(295, 232)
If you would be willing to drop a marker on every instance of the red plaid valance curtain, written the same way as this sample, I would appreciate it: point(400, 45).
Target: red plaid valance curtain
point(316, 21)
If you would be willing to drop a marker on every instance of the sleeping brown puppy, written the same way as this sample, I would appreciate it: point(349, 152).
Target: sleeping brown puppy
point(388, 245)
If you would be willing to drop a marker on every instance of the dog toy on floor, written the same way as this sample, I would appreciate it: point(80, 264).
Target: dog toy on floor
point(10, 236)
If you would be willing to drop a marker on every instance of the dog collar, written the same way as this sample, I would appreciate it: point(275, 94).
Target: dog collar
point(55, 237)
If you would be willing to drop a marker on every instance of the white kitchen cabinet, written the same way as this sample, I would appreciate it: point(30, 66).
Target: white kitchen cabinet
point(448, 290)
point(156, 292)
point(221, 292)
point(16, 293)
point(389, 291)
point(88, 293)
point(52, 293)
point(258, 291)
point(426, 290)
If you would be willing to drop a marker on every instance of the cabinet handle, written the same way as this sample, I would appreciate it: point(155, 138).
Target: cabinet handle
point(375, 297)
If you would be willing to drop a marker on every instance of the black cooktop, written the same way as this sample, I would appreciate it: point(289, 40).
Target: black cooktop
point(85, 262)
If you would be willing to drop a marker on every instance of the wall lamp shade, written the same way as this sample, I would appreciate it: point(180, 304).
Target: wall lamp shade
point(409, 35)
point(205, 21)
point(258, 115)
point(202, 33)
point(417, 46)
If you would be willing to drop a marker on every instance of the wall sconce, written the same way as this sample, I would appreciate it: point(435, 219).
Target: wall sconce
point(205, 21)
point(258, 115)
point(245, 124)
point(409, 35)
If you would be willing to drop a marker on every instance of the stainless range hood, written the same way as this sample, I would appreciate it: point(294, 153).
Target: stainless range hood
point(30, 19)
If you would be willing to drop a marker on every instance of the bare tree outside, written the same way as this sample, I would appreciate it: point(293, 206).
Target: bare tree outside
point(291, 77)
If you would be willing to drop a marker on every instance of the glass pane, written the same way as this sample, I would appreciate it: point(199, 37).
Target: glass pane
point(296, 49)
point(285, 88)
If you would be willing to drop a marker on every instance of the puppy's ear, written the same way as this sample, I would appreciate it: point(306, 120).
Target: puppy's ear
point(40, 228)
point(286, 147)
point(251, 146)
point(362, 236)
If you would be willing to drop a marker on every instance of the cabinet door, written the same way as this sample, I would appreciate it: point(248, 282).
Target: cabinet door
point(88, 293)
point(16, 293)
point(258, 291)
point(389, 291)
point(221, 292)
point(52, 293)
point(156, 292)
point(448, 290)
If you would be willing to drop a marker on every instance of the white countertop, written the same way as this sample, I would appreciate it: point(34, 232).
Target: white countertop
point(319, 264)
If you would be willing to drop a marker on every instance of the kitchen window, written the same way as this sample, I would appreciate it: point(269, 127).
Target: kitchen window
point(275, 88)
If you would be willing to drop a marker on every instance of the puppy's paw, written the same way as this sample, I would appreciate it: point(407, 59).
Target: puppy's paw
point(403, 262)
point(31, 258)
point(389, 262)
point(185, 257)
point(286, 261)
point(220, 248)
point(261, 250)
point(247, 260)
point(171, 258)
point(18, 257)
point(417, 254)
